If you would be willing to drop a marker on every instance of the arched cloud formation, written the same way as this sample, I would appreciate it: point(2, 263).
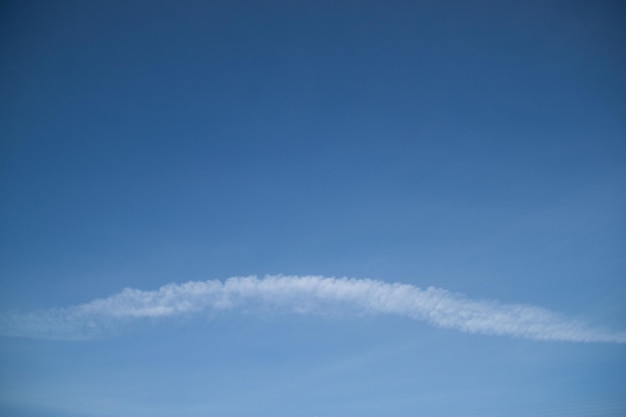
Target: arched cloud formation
point(303, 295)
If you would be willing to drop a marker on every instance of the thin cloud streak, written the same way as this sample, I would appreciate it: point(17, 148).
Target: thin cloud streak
point(303, 295)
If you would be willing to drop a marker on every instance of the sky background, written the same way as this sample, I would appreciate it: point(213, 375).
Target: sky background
point(473, 146)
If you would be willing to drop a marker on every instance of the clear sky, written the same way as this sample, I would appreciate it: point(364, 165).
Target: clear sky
point(474, 147)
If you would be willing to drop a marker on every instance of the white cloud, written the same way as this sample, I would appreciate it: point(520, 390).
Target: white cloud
point(303, 295)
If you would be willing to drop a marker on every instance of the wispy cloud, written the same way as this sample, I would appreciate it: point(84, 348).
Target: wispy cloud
point(303, 295)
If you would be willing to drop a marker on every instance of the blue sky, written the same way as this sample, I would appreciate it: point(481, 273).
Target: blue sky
point(473, 147)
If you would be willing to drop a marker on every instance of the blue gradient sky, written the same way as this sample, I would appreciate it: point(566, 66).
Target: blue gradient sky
point(473, 146)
